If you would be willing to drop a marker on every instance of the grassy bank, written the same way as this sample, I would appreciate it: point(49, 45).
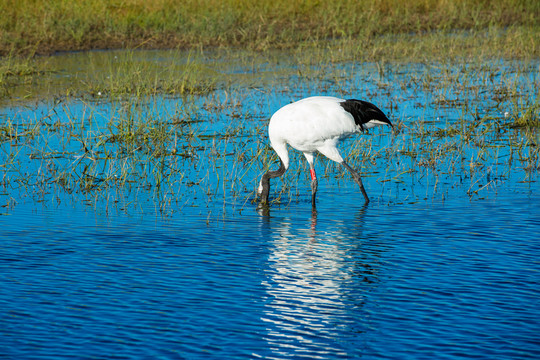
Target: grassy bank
point(43, 27)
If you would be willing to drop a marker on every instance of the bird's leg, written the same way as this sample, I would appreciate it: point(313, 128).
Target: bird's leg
point(356, 178)
point(314, 184)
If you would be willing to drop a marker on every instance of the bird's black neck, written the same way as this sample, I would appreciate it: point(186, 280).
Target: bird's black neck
point(265, 181)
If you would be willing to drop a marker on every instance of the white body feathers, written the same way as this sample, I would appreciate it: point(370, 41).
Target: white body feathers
point(313, 124)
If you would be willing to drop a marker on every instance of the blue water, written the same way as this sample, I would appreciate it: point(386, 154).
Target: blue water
point(168, 257)
point(443, 280)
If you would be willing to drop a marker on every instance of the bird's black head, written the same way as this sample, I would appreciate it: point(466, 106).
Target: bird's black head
point(365, 114)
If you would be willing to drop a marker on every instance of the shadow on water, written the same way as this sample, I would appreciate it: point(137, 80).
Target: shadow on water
point(317, 282)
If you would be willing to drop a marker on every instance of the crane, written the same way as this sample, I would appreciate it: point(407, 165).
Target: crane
point(318, 123)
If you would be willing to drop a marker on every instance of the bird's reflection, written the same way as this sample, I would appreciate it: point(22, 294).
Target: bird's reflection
point(315, 285)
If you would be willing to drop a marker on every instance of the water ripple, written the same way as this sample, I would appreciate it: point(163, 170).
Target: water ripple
point(425, 281)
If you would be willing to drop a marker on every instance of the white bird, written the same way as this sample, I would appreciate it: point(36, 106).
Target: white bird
point(318, 123)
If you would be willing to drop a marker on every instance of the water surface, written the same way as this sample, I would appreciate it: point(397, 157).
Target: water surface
point(155, 248)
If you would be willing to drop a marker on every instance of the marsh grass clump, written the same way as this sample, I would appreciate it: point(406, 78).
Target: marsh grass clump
point(83, 153)
point(527, 116)
point(15, 70)
point(127, 74)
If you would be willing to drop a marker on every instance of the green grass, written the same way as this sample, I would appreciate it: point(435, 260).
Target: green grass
point(43, 27)
point(16, 71)
point(312, 32)
point(125, 75)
